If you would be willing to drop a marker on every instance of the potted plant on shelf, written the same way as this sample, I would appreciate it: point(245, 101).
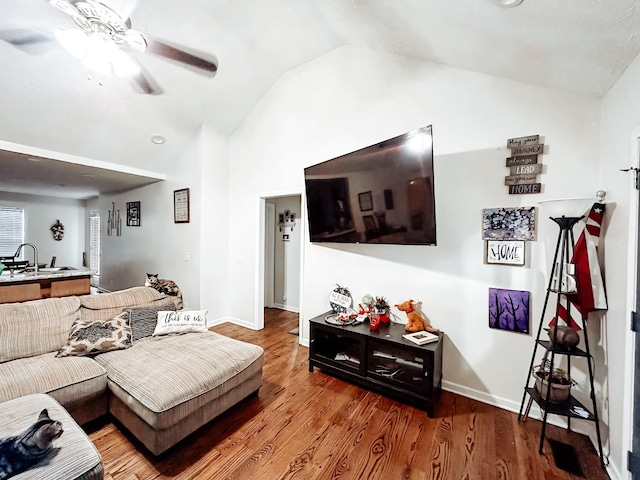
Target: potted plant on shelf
point(559, 379)
point(381, 307)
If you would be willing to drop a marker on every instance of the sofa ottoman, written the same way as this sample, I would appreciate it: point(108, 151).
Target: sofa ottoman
point(73, 455)
point(163, 388)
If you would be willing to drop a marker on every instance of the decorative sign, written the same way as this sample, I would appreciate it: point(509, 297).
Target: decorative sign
point(522, 189)
point(520, 179)
point(523, 141)
point(505, 252)
point(526, 169)
point(523, 160)
point(527, 150)
point(181, 206)
point(523, 165)
point(339, 299)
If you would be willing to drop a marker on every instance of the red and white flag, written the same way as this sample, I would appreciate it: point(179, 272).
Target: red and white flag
point(590, 294)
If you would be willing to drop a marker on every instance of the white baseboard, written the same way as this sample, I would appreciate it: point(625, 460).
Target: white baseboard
point(235, 321)
point(288, 308)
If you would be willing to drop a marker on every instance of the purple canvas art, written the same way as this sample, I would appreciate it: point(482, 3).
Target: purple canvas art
point(509, 310)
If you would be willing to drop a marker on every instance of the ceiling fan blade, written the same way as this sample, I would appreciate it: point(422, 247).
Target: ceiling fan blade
point(143, 82)
point(180, 55)
point(27, 40)
point(70, 9)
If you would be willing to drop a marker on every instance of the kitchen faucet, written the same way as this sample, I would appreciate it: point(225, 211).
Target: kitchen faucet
point(35, 254)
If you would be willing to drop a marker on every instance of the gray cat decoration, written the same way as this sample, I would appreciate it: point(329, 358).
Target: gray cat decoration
point(30, 448)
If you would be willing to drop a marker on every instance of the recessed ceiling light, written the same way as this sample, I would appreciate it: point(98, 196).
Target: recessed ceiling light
point(32, 159)
point(509, 3)
point(88, 175)
point(158, 139)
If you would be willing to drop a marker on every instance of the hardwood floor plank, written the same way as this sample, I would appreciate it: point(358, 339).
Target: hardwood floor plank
point(307, 426)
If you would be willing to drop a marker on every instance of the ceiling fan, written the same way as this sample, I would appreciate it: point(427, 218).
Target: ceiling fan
point(105, 41)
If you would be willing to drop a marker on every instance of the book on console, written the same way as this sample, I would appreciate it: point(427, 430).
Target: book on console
point(421, 337)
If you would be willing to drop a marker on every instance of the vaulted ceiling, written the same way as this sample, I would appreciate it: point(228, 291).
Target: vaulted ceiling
point(48, 102)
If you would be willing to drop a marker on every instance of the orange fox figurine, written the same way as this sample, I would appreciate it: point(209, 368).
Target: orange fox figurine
point(415, 322)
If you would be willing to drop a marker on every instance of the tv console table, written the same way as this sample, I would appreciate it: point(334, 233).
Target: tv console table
point(381, 361)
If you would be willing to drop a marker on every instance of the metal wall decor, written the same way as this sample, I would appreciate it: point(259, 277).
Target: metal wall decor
point(114, 222)
point(57, 230)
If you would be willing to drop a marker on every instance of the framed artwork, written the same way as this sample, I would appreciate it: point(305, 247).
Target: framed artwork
point(133, 214)
point(366, 201)
point(388, 199)
point(369, 222)
point(510, 252)
point(509, 223)
point(181, 206)
point(509, 310)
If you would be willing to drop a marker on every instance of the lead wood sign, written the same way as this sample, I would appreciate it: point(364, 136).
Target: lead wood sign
point(523, 165)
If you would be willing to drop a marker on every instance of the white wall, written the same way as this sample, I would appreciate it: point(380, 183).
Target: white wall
point(40, 214)
point(158, 245)
point(214, 235)
point(620, 120)
point(353, 97)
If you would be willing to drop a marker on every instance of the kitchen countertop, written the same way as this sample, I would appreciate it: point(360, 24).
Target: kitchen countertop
point(6, 277)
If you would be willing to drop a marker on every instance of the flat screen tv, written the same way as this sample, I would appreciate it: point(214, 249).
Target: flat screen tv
point(379, 194)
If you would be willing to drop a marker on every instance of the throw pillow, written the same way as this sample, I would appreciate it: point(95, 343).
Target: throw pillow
point(89, 338)
point(143, 320)
point(181, 321)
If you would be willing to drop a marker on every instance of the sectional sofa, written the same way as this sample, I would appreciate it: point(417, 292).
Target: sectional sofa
point(161, 388)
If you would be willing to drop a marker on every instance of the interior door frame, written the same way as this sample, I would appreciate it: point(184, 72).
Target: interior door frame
point(260, 258)
point(269, 254)
point(632, 396)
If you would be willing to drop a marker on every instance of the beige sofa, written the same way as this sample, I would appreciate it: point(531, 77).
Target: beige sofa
point(161, 388)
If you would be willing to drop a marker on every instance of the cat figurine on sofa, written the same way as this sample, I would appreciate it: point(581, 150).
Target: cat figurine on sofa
point(166, 287)
point(28, 449)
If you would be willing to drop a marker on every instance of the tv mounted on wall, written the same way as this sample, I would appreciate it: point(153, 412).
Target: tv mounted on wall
point(379, 194)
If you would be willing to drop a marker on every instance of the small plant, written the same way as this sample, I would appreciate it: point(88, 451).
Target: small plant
point(557, 375)
point(380, 304)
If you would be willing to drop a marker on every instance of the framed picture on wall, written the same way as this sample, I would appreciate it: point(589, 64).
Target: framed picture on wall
point(181, 206)
point(366, 201)
point(133, 214)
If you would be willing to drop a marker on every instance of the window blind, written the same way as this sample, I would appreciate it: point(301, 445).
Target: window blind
point(94, 242)
point(11, 231)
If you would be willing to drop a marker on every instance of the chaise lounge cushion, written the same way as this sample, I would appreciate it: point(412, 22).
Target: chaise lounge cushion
point(36, 327)
point(78, 383)
point(165, 379)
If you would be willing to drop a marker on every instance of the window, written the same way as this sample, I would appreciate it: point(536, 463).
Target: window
point(11, 231)
point(94, 242)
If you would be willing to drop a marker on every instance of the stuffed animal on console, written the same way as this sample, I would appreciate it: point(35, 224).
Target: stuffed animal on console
point(415, 322)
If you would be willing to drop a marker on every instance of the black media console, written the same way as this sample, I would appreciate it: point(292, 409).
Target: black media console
point(381, 361)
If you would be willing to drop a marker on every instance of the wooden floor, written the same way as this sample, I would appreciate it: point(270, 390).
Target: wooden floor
point(312, 426)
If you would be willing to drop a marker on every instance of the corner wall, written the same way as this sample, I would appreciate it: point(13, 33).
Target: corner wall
point(620, 130)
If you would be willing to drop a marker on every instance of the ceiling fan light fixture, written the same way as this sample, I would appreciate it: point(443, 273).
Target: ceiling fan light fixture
point(509, 3)
point(97, 54)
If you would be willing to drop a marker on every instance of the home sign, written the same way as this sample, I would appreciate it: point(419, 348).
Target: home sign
point(523, 165)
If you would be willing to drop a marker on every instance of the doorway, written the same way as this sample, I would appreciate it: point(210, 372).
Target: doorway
point(280, 263)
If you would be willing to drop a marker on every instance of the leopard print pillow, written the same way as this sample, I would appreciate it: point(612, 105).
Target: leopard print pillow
point(91, 338)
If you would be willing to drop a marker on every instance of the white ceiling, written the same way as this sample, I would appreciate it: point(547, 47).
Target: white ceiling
point(581, 46)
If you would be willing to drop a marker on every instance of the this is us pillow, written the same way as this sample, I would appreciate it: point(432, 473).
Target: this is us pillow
point(181, 321)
